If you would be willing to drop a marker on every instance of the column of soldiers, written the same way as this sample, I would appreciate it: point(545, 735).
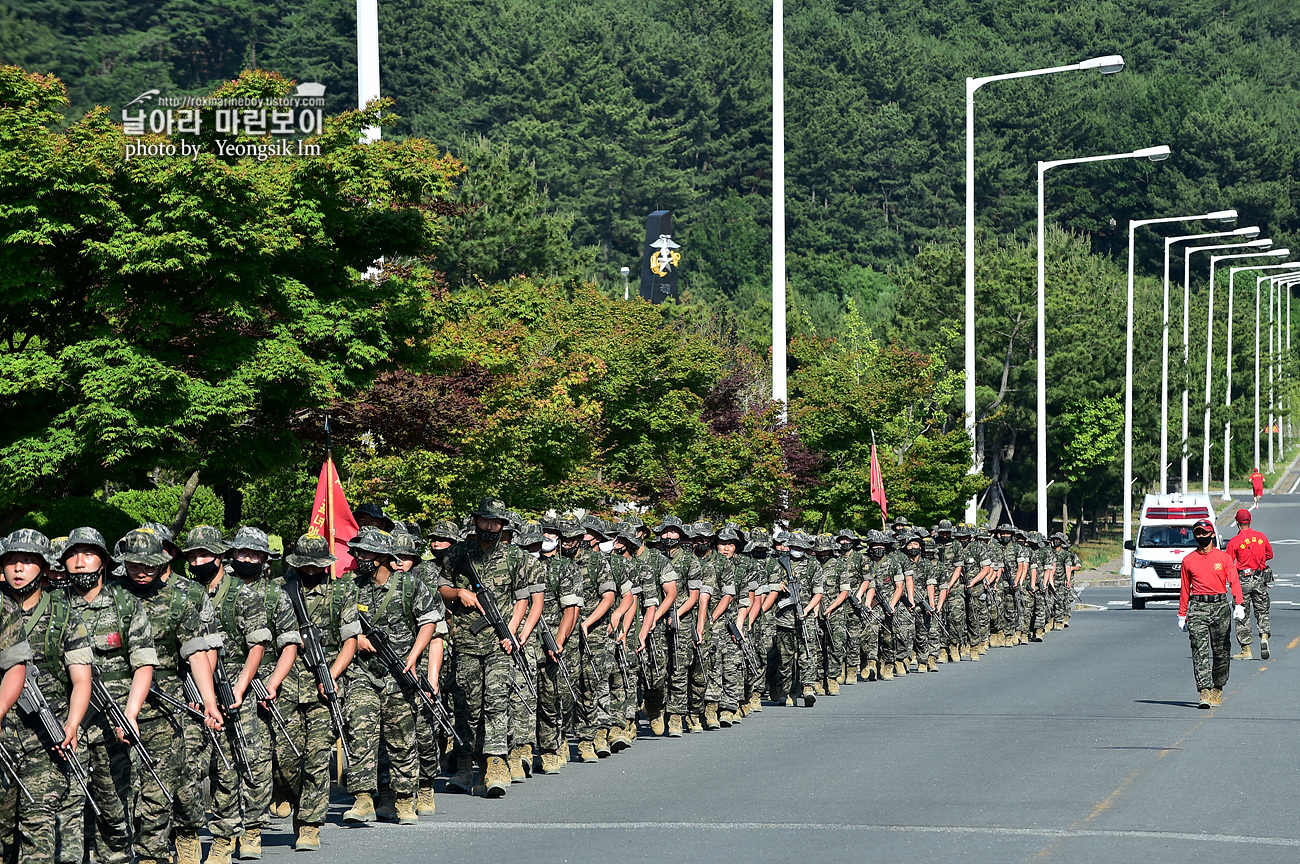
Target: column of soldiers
point(163, 690)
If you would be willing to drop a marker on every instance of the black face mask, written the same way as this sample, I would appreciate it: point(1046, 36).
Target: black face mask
point(1202, 542)
point(246, 569)
point(669, 542)
point(760, 553)
point(487, 536)
point(312, 578)
point(702, 549)
point(367, 568)
point(27, 590)
point(85, 581)
point(912, 553)
point(205, 572)
point(568, 550)
point(876, 552)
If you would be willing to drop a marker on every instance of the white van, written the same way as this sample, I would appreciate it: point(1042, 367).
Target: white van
point(1164, 537)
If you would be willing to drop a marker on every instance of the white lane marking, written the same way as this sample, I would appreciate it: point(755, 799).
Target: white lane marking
point(832, 826)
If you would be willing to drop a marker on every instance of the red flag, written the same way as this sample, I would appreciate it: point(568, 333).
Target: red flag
point(878, 485)
point(331, 517)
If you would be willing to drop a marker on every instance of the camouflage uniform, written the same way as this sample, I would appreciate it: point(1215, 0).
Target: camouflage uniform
point(720, 655)
point(591, 673)
point(426, 737)
point(1209, 628)
point(792, 666)
point(954, 605)
point(623, 687)
point(1006, 554)
point(830, 628)
point(28, 829)
point(377, 709)
point(974, 557)
point(886, 573)
point(666, 682)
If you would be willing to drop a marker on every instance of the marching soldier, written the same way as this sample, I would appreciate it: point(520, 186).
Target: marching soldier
point(624, 620)
point(1208, 574)
point(792, 657)
point(666, 594)
point(561, 605)
point(726, 666)
point(442, 536)
point(591, 664)
point(1251, 552)
point(830, 644)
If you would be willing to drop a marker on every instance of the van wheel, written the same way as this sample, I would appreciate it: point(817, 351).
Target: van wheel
point(1139, 604)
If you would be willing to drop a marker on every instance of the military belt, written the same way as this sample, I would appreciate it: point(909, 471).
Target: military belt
point(115, 676)
point(1207, 598)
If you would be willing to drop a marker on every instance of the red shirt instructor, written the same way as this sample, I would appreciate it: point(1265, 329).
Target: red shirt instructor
point(1208, 574)
point(1251, 552)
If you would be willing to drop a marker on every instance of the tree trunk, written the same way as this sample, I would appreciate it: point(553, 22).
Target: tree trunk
point(183, 508)
point(1065, 515)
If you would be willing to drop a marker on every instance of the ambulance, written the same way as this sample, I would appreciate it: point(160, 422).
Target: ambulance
point(1164, 537)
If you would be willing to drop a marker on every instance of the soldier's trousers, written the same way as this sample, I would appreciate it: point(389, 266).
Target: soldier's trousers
point(522, 730)
point(697, 673)
point(954, 608)
point(109, 764)
point(925, 642)
point(154, 819)
point(622, 687)
point(380, 718)
point(307, 779)
point(591, 680)
point(1209, 627)
point(1042, 607)
point(862, 641)
point(30, 831)
point(481, 693)
point(977, 616)
point(760, 636)
point(1008, 610)
point(258, 786)
point(830, 646)
point(1064, 600)
point(668, 687)
point(726, 670)
point(555, 707)
point(235, 789)
point(792, 667)
point(902, 626)
point(1254, 591)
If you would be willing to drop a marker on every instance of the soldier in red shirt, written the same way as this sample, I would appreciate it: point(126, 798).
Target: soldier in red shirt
point(1208, 574)
point(1257, 486)
point(1251, 552)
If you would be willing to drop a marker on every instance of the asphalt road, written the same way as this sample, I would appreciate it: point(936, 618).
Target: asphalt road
point(1086, 748)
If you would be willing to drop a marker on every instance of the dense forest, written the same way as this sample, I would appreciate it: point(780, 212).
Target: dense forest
point(602, 110)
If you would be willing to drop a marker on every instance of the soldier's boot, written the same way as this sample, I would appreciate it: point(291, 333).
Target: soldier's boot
point(1066, 623)
point(995, 639)
point(1263, 646)
point(866, 673)
point(250, 845)
point(587, 752)
point(618, 740)
point(547, 766)
point(900, 668)
point(480, 787)
point(789, 702)
point(963, 651)
point(984, 647)
point(362, 809)
point(843, 674)
point(1205, 699)
point(656, 718)
point(920, 666)
point(281, 809)
point(943, 654)
point(1216, 697)
point(727, 719)
point(818, 688)
point(848, 675)
point(695, 724)
point(424, 803)
point(809, 697)
point(308, 839)
point(832, 687)
point(188, 848)
point(974, 652)
point(385, 808)
point(756, 704)
point(516, 762)
point(405, 806)
point(1244, 654)
point(674, 726)
point(711, 721)
point(498, 776)
point(931, 665)
point(463, 779)
point(220, 850)
point(886, 671)
point(1035, 636)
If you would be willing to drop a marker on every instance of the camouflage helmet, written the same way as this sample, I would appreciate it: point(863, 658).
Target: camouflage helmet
point(670, 521)
point(253, 539)
point(142, 546)
point(529, 533)
point(445, 529)
point(409, 526)
point(406, 546)
point(491, 508)
point(912, 537)
point(944, 525)
point(802, 540)
point(847, 534)
point(963, 530)
point(741, 534)
point(627, 531)
point(568, 527)
point(928, 545)
point(701, 530)
point(206, 538)
point(165, 534)
point(81, 537)
point(635, 521)
point(595, 526)
point(877, 538)
point(374, 511)
point(1057, 535)
point(730, 534)
point(901, 523)
point(760, 537)
point(28, 540)
point(824, 543)
point(372, 540)
point(513, 521)
point(58, 546)
point(781, 537)
point(311, 550)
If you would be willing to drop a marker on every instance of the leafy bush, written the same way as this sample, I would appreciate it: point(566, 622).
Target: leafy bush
point(60, 517)
point(159, 505)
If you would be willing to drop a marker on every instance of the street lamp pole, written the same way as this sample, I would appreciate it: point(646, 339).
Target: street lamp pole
point(1209, 353)
point(1105, 65)
point(778, 205)
point(1164, 354)
point(1227, 369)
point(1287, 281)
point(1155, 154)
point(1133, 225)
point(368, 59)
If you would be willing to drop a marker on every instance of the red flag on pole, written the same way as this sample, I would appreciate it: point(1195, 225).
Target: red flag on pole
point(878, 485)
point(331, 517)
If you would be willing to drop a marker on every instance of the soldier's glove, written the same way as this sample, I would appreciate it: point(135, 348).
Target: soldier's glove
point(1239, 612)
point(1182, 623)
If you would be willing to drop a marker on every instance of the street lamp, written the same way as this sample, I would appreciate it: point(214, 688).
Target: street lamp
point(778, 204)
point(1107, 65)
point(1227, 366)
point(1209, 352)
point(1155, 154)
point(624, 271)
point(1286, 280)
point(1133, 225)
point(1262, 243)
point(368, 59)
point(1252, 231)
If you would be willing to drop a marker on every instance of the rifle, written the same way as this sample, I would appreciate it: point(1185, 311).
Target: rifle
point(671, 629)
point(226, 700)
point(193, 698)
point(697, 647)
point(263, 698)
point(409, 681)
point(620, 656)
point(313, 656)
point(553, 651)
point(7, 760)
point(102, 701)
point(792, 585)
point(824, 633)
point(864, 614)
point(746, 649)
point(33, 704)
point(492, 618)
point(886, 603)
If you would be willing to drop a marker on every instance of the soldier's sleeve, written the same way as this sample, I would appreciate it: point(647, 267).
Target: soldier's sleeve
point(191, 631)
point(708, 578)
point(14, 647)
point(817, 578)
point(286, 623)
point(349, 622)
point(728, 573)
point(77, 648)
point(250, 616)
point(694, 572)
point(570, 589)
point(423, 606)
point(139, 638)
point(629, 581)
point(527, 578)
point(606, 582)
point(208, 619)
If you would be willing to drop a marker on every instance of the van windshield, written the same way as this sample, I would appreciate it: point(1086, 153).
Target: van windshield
point(1166, 537)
